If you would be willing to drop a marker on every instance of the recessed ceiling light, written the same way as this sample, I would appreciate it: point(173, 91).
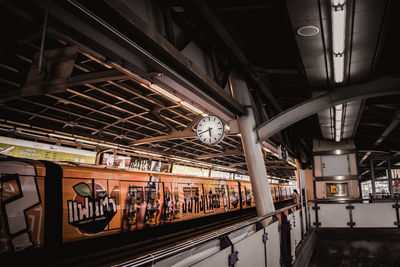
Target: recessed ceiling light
point(307, 31)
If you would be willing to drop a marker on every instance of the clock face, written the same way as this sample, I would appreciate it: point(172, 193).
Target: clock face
point(210, 130)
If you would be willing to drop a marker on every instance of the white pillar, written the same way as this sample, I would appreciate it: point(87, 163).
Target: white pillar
point(252, 149)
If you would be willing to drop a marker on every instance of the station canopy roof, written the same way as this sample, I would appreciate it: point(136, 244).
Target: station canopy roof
point(103, 101)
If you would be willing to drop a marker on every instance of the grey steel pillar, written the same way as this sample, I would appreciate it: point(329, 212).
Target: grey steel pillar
point(372, 178)
point(252, 149)
point(389, 170)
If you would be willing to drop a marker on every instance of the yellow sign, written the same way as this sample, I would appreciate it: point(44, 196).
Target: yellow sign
point(34, 150)
point(189, 170)
point(333, 189)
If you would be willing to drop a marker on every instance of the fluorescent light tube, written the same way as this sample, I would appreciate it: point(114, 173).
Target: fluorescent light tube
point(147, 153)
point(109, 146)
point(338, 68)
point(338, 12)
point(61, 136)
point(164, 92)
point(338, 26)
point(338, 121)
point(193, 108)
point(86, 141)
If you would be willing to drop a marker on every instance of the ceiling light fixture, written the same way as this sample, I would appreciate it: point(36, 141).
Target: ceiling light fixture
point(61, 136)
point(338, 121)
point(147, 153)
point(164, 92)
point(86, 141)
point(338, 13)
point(176, 99)
point(109, 146)
point(307, 31)
point(189, 106)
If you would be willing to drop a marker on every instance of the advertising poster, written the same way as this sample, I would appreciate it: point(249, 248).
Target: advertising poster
point(122, 162)
point(189, 170)
point(89, 208)
point(41, 151)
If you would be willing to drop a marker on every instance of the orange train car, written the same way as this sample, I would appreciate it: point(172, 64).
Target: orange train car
point(48, 204)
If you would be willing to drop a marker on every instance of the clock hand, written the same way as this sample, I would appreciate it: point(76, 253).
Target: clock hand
point(205, 130)
point(209, 131)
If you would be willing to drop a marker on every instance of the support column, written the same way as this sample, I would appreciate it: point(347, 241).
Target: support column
point(252, 149)
point(389, 169)
point(372, 170)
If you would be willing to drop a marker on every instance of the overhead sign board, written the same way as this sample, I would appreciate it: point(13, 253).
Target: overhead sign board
point(41, 151)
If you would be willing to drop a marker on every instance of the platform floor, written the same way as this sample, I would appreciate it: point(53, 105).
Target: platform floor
point(356, 247)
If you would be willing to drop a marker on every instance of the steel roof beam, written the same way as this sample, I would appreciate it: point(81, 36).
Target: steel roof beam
point(96, 77)
point(228, 41)
point(378, 87)
point(123, 47)
point(388, 130)
point(174, 134)
point(222, 154)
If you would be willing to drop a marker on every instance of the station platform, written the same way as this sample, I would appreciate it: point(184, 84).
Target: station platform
point(355, 247)
point(321, 234)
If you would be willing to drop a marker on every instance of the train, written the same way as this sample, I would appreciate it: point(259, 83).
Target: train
point(46, 203)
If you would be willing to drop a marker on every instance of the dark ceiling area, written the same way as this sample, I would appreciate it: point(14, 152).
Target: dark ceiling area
point(259, 38)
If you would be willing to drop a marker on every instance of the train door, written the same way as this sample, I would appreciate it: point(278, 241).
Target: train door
point(234, 197)
point(214, 196)
point(247, 195)
point(172, 205)
point(191, 198)
point(273, 193)
point(142, 203)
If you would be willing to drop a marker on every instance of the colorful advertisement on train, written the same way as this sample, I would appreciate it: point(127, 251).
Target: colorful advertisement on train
point(22, 206)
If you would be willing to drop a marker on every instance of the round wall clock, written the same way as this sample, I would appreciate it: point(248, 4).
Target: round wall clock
point(210, 130)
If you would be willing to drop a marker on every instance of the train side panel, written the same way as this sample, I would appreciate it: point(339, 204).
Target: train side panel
point(22, 210)
point(189, 198)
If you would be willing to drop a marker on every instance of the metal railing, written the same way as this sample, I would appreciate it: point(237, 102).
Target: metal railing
point(355, 213)
point(151, 259)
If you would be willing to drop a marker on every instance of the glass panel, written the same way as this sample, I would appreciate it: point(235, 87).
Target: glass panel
point(396, 189)
point(366, 189)
point(382, 189)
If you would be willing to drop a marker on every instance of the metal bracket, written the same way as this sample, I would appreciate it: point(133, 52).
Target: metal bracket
point(316, 208)
point(259, 226)
point(397, 207)
point(233, 258)
point(265, 237)
point(350, 208)
point(224, 242)
point(317, 224)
